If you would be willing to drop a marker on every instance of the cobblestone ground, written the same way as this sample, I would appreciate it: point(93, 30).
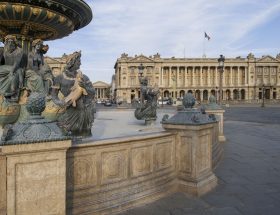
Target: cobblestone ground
point(249, 173)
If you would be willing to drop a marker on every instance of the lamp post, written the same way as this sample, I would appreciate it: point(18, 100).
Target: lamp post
point(162, 97)
point(263, 88)
point(216, 94)
point(140, 72)
point(174, 88)
point(221, 61)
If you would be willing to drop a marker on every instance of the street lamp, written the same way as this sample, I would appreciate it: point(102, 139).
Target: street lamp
point(162, 97)
point(263, 87)
point(221, 62)
point(140, 72)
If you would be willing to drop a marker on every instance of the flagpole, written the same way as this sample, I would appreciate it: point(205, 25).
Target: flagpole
point(203, 54)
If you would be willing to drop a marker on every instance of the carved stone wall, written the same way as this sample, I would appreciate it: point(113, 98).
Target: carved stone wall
point(105, 177)
point(121, 173)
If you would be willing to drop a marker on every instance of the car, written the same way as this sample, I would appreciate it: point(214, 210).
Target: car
point(107, 103)
point(165, 101)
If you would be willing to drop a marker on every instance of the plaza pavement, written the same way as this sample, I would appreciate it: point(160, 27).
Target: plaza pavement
point(248, 175)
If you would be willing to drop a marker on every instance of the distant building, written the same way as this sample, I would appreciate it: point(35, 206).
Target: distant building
point(102, 90)
point(57, 64)
point(244, 79)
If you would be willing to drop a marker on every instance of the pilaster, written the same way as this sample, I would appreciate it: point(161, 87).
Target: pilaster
point(200, 77)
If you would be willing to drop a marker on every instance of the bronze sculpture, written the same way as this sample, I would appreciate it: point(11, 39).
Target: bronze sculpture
point(78, 119)
point(77, 108)
point(11, 72)
point(38, 75)
point(147, 108)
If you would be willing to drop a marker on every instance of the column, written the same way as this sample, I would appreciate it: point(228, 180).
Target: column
point(192, 74)
point(269, 69)
point(170, 78)
point(262, 68)
point(183, 72)
point(161, 77)
point(231, 81)
point(201, 74)
point(216, 76)
point(177, 77)
point(224, 77)
point(238, 76)
point(186, 83)
point(277, 79)
point(208, 76)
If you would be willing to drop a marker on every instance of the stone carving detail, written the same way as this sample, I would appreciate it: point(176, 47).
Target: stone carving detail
point(141, 160)
point(203, 149)
point(189, 115)
point(188, 101)
point(82, 171)
point(37, 132)
point(250, 56)
point(36, 104)
point(114, 166)
point(185, 155)
point(163, 156)
point(124, 55)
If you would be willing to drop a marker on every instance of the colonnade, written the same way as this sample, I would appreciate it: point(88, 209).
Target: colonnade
point(100, 93)
point(202, 76)
point(204, 94)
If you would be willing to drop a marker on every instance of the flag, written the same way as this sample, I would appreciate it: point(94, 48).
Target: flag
point(206, 36)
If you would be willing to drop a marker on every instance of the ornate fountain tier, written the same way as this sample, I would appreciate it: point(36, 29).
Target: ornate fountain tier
point(47, 20)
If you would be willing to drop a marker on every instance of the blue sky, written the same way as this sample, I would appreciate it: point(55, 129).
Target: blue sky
point(236, 28)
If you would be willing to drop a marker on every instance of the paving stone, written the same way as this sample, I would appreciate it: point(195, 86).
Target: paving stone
point(224, 211)
point(222, 200)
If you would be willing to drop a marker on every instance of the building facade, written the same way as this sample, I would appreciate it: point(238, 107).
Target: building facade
point(102, 90)
point(243, 79)
point(56, 64)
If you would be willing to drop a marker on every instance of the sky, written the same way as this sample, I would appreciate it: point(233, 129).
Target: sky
point(171, 28)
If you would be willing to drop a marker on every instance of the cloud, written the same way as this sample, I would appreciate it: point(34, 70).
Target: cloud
point(168, 27)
